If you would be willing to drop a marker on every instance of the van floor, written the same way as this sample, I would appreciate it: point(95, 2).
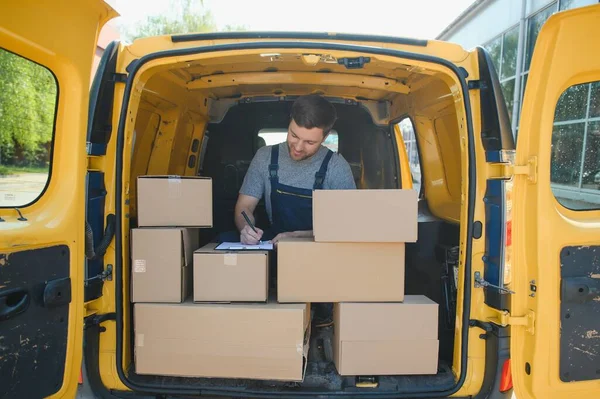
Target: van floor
point(321, 375)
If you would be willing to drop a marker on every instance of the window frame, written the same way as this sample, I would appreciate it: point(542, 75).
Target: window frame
point(52, 141)
point(587, 120)
point(397, 121)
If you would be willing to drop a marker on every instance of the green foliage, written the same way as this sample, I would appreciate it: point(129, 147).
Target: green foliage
point(185, 16)
point(27, 106)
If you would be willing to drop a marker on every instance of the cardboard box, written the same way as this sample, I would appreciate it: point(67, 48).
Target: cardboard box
point(162, 263)
point(259, 341)
point(309, 271)
point(386, 338)
point(184, 201)
point(226, 276)
point(365, 215)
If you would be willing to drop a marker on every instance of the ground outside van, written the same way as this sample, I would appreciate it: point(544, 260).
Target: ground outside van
point(511, 269)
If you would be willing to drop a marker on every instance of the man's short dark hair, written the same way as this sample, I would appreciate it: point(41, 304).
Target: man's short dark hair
point(312, 111)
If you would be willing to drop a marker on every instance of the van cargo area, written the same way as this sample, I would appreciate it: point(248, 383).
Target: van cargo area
point(201, 113)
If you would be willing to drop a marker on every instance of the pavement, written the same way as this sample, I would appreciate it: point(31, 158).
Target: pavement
point(21, 189)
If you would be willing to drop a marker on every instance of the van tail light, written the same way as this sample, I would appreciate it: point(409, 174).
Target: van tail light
point(506, 383)
point(508, 248)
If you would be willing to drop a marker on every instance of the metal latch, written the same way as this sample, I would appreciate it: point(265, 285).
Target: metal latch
point(104, 276)
point(504, 318)
point(480, 283)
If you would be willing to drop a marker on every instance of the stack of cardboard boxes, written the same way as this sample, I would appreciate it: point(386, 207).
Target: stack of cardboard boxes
point(357, 260)
point(202, 312)
point(227, 327)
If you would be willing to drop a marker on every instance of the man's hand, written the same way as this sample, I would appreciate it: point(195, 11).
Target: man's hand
point(280, 236)
point(249, 237)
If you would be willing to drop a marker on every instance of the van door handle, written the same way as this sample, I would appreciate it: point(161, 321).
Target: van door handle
point(13, 302)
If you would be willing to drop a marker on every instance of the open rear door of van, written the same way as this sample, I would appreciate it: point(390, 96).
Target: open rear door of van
point(46, 54)
point(555, 312)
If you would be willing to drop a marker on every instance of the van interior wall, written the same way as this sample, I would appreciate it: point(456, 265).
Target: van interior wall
point(433, 110)
point(169, 127)
point(431, 262)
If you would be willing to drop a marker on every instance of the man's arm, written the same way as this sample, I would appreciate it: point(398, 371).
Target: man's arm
point(252, 190)
point(245, 203)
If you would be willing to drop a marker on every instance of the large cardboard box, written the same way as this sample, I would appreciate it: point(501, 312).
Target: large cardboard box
point(309, 271)
point(365, 215)
point(162, 263)
point(259, 341)
point(221, 276)
point(184, 201)
point(386, 338)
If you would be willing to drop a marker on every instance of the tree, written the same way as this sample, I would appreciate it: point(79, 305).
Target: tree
point(27, 107)
point(186, 16)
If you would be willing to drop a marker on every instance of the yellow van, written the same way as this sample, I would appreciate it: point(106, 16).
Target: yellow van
point(514, 268)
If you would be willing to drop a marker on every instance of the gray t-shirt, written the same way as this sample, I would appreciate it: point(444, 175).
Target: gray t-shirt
point(299, 174)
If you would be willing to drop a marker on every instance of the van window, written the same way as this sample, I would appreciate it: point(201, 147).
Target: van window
point(575, 158)
point(410, 141)
point(276, 136)
point(28, 93)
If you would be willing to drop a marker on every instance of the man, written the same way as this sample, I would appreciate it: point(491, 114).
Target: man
point(287, 173)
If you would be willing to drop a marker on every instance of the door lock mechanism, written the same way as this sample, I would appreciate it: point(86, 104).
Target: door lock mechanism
point(481, 283)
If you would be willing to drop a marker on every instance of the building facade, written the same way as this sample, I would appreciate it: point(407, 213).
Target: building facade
point(508, 29)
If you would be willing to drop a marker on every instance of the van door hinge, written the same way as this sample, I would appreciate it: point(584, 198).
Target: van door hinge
point(504, 318)
point(530, 169)
point(505, 170)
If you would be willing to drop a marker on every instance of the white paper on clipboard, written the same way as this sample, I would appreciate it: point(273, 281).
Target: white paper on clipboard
point(238, 246)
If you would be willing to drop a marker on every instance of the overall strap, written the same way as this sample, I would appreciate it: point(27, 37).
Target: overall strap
point(320, 175)
point(274, 165)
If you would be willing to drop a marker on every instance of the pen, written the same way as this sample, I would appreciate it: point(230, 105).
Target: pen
point(250, 223)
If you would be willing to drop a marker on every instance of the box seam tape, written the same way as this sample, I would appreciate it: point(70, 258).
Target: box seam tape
point(174, 187)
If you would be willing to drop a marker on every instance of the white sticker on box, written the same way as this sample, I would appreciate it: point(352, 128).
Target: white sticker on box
point(139, 266)
point(139, 340)
point(174, 190)
point(300, 347)
point(230, 260)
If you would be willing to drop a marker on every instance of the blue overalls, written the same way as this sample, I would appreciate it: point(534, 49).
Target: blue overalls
point(291, 207)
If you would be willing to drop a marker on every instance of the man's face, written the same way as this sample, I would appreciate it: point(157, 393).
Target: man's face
point(302, 142)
